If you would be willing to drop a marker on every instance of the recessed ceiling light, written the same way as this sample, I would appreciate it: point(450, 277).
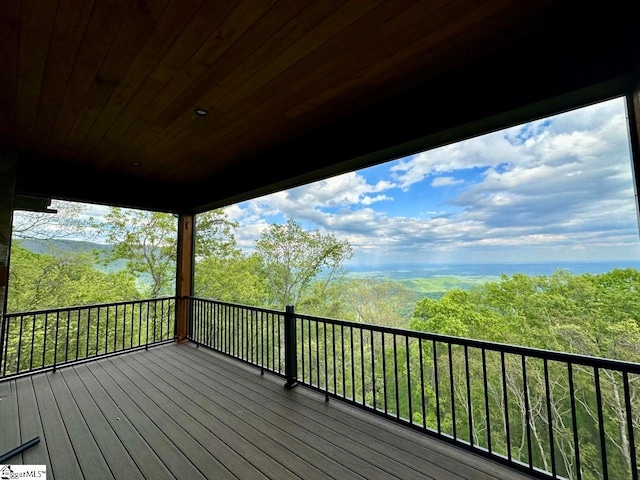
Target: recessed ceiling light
point(135, 164)
point(201, 112)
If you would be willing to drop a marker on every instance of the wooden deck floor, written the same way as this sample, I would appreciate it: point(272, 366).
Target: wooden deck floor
point(179, 412)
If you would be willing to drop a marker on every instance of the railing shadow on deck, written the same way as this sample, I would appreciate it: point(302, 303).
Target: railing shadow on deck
point(546, 413)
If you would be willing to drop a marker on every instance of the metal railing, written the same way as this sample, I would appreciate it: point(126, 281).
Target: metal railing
point(254, 335)
point(550, 414)
point(47, 339)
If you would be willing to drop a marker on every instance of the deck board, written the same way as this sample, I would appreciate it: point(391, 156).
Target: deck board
point(10, 437)
point(62, 458)
point(177, 411)
point(115, 454)
point(30, 426)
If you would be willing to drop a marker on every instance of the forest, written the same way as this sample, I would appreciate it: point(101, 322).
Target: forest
point(595, 315)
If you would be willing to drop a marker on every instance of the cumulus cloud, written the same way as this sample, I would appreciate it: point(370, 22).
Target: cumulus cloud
point(445, 181)
point(562, 184)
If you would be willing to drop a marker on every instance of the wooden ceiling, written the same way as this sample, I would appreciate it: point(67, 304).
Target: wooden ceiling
point(98, 98)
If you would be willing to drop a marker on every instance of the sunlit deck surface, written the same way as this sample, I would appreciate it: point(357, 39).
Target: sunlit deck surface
point(177, 411)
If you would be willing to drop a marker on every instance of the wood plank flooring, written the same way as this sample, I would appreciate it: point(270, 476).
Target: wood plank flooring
point(175, 411)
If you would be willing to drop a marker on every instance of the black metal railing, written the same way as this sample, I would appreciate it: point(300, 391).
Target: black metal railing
point(254, 335)
point(551, 414)
point(47, 339)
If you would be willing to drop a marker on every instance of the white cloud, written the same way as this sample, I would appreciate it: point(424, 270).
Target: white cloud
point(554, 187)
point(445, 181)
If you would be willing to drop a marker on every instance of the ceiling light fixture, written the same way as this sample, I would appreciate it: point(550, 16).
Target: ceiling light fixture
point(201, 112)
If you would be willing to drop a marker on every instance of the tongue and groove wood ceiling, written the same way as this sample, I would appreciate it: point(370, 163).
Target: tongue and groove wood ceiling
point(98, 97)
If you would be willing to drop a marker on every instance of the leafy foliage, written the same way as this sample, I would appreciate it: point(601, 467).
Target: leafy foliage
point(293, 257)
point(39, 281)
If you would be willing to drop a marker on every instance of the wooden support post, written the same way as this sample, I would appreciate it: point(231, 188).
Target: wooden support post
point(184, 274)
point(7, 197)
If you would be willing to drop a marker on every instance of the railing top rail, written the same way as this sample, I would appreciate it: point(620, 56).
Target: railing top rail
point(239, 305)
point(84, 307)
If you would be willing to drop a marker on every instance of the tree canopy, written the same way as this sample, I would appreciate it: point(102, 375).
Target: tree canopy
point(293, 257)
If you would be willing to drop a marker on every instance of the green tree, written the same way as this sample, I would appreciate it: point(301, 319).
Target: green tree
point(41, 281)
point(234, 278)
point(222, 271)
point(293, 258)
point(596, 315)
point(377, 302)
point(147, 241)
point(64, 220)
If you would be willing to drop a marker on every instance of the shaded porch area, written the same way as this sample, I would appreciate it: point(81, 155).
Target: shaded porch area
point(177, 411)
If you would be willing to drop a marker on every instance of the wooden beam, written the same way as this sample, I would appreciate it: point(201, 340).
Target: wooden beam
point(184, 273)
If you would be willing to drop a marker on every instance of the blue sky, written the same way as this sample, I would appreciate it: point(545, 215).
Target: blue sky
point(557, 189)
point(550, 190)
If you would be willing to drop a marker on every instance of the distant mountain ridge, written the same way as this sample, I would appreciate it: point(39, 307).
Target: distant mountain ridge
point(57, 246)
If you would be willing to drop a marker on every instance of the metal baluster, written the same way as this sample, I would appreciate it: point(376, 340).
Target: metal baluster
point(124, 325)
point(33, 337)
point(527, 408)
point(469, 407)
point(55, 346)
point(373, 368)
point(362, 364)
point(86, 348)
point(574, 421)
point(422, 401)
point(326, 363)
point(486, 399)
point(603, 450)
point(302, 349)
point(552, 447)
point(506, 405)
point(115, 331)
point(344, 384)
point(20, 344)
point(97, 331)
point(453, 405)
point(77, 331)
point(333, 343)
point(384, 374)
point(406, 346)
point(437, 385)
point(630, 434)
point(353, 373)
point(318, 353)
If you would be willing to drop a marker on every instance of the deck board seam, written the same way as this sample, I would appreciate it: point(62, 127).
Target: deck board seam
point(64, 423)
point(219, 362)
point(160, 429)
point(387, 472)
point(230, 413)
point(164, 411)
point(294, 438)
point(248, 460)
point(108, 424)
point(82, 415)
point(14, 387)
point(347, 439)
point(117, 406)
point(161, 409)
